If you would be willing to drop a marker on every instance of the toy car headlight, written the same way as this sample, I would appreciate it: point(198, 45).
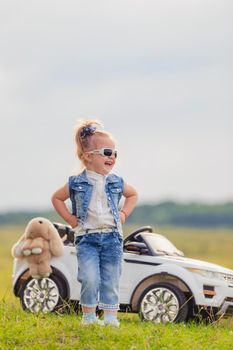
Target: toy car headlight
point(207, 273)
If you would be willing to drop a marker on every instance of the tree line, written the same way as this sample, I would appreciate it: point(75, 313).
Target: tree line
point(164, 213)
point(184, 214)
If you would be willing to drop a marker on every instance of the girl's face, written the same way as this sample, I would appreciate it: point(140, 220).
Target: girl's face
point(101, 160)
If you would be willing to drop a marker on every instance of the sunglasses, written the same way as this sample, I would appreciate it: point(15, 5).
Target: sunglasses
point(105, 152)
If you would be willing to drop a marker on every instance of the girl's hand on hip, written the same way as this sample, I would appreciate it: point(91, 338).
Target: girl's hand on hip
point(122, 216)
point(73, 221)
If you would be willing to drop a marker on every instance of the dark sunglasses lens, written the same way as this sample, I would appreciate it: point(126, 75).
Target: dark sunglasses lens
point(108, 152)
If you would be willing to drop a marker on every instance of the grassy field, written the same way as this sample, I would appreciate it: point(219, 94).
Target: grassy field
point(22, 330)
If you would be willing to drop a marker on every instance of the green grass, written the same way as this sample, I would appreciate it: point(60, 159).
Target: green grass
point(23, 330)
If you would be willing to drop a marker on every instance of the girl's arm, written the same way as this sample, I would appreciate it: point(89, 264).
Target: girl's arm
point(58, 200)
point(131, 197)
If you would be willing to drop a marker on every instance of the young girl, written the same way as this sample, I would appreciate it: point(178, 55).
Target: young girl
point(95, 194)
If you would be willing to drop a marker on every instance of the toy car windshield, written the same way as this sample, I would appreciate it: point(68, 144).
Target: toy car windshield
point(161, 245)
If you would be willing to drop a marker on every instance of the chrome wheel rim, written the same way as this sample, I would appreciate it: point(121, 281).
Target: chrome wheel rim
point(160, 305)
point(41, 295)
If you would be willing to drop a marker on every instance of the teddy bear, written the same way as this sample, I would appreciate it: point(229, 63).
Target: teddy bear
point(38, 244)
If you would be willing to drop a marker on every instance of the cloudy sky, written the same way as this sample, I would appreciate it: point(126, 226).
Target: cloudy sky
point(158, 73)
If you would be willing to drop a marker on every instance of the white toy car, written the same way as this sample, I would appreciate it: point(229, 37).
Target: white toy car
point(157, 281)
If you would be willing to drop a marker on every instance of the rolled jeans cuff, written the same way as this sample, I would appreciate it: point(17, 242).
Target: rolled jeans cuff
point(88, 305)
point(110, 307)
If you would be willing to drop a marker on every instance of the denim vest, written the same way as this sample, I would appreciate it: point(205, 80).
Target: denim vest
point(80, 189)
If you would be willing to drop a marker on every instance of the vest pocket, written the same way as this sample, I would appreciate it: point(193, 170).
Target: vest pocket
point(116, 190)
point(116, 193)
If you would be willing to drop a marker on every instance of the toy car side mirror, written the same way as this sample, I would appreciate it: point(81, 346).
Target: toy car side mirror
point(138, 247)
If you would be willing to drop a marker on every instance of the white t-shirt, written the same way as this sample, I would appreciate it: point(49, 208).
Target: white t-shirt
point(98, 214)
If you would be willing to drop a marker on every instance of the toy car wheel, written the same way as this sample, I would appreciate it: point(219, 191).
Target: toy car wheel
point(44, 295)
point(163, 303)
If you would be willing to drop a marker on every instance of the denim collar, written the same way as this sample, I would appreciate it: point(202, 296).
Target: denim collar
point(111, 178)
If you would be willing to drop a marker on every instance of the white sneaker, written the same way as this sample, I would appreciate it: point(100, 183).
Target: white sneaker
point(90, 322)
point(113, 323)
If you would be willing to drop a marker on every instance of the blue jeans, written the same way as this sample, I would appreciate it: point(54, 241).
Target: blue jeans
point(99, 269)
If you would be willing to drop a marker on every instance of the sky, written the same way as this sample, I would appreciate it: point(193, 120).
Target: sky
point(158, 74)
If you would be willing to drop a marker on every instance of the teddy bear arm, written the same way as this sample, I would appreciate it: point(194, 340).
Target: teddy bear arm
point(27, 244)
point(37, 242)
point(26, 248)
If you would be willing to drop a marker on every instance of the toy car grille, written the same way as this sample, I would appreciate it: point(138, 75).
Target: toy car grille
point(228, 278)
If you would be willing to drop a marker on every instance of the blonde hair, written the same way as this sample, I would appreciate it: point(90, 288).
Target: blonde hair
point(84, 133)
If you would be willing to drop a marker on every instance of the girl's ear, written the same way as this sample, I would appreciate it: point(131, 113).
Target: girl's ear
point(87, 157)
